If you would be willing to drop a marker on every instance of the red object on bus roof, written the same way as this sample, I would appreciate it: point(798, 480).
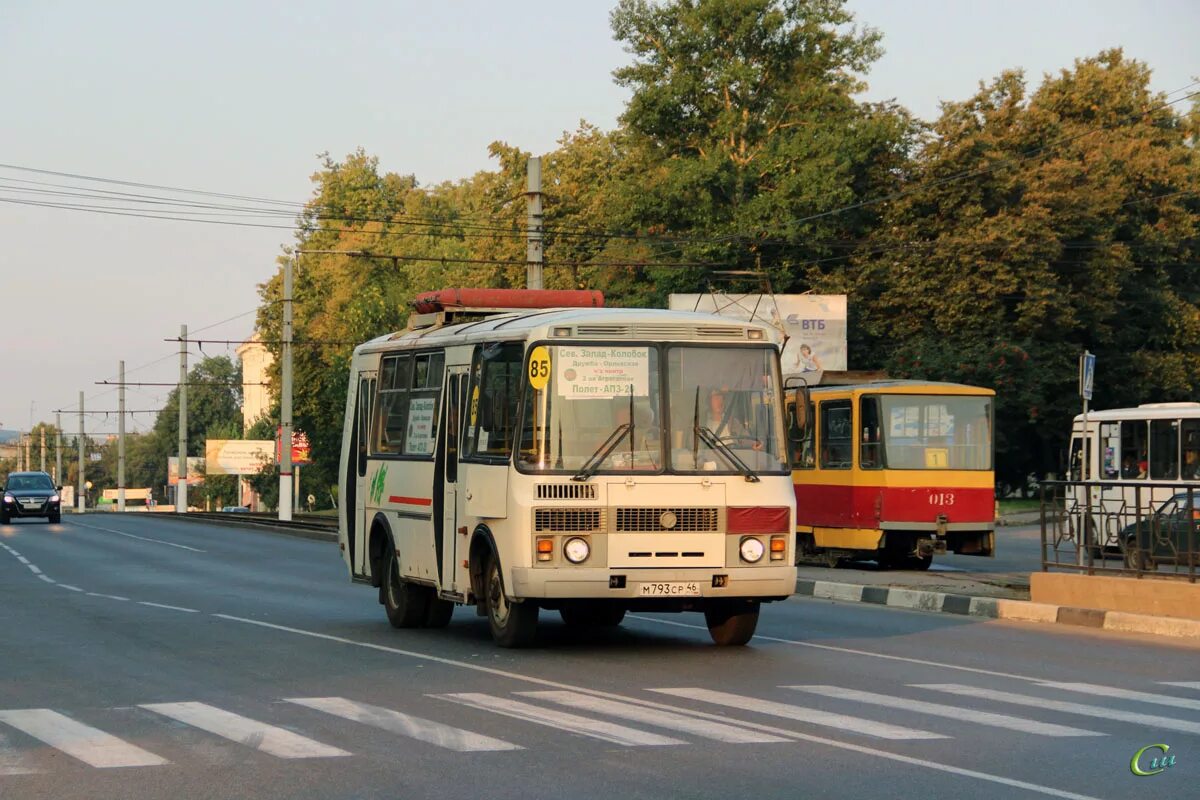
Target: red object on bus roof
point(444, 299)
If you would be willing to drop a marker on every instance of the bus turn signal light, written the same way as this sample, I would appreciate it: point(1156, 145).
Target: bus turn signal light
point(778, 548)
point(545, 549)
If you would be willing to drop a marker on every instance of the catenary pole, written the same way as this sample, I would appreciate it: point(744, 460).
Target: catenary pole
point(58, 475)
point(533, 250)
point(81, 491)
point(285, 400)
point(181, 488)
point(121, 439)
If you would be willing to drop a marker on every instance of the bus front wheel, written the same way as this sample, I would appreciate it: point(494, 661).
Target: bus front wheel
point(406, 603)
point(512, 624)
point(731, 624)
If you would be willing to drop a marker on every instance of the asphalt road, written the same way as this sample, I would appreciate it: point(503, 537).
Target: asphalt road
point(142, 657)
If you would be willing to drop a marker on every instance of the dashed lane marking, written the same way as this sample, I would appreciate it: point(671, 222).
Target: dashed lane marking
point(141, 538)
point(1125, 694)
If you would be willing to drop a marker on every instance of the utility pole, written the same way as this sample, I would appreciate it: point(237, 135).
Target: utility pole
point(58, 475)
point(181, 489)
point(43, 448)
point(533, 251)
point(28, 445)
point(81, 491)
point(121, 439)
point(285, 401)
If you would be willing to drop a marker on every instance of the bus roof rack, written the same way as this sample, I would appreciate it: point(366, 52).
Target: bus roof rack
point(444, 306)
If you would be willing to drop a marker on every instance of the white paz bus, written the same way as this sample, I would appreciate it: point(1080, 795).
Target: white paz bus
point(520, 450)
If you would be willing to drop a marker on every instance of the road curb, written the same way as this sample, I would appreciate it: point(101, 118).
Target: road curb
point(999, 608)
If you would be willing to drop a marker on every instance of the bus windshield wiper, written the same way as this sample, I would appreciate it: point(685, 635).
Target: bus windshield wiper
point(602, 452)
point(714, 442)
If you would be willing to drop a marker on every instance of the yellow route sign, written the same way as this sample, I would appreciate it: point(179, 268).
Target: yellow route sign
point(539, 367)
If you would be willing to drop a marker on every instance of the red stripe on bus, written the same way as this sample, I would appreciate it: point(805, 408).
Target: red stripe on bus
point(411, 501)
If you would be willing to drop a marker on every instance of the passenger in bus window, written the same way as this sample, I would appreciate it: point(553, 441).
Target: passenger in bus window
point(1143, 465)
point(1128, 468)
point(1191, 465)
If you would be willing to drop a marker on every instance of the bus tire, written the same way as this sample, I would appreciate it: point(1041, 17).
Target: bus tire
point(731, 624)
point(406, 604)
point(919, 563)
point(438, 613)
point(589, 615)
point(512, 624)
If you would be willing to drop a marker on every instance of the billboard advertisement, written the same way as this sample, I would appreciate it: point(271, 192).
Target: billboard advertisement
point(814, 324)
point(301, 449)
point(237, 456)
point(195, 470)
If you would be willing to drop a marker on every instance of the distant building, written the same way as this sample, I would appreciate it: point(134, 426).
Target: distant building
point(256, 361)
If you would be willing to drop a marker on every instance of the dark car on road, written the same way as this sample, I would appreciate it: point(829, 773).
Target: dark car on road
point(30, 494)
point(1171, 535)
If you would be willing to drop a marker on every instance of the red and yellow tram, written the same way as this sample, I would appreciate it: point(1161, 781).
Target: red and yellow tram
point(894, 471)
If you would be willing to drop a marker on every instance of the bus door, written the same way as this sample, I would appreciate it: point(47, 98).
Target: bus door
point(356, 505)
point(452, 546)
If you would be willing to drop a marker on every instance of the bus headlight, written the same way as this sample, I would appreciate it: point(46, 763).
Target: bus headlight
point(751, 549)
point(577, 550)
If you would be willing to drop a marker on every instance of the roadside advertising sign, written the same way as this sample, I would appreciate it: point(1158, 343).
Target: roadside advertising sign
point(238, 456)
point(195, 470)
point(301, 449)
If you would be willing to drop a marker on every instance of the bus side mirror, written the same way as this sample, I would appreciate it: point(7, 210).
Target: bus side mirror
point(798, 403)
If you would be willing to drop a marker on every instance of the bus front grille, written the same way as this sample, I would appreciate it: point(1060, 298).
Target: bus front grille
point(682, 520)
point(566, 491)
point(568, 520)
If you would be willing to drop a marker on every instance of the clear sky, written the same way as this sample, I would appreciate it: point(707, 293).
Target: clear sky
point(240, 97)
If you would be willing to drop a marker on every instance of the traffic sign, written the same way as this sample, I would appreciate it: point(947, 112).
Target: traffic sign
point(1087, 374)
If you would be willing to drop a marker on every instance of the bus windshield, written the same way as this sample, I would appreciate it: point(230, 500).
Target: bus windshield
point(935, 431)
point(601, 407)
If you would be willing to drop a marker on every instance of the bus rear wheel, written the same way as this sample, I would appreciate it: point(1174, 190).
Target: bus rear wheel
point(406, 603)
point(731, 624)
point(512, 624)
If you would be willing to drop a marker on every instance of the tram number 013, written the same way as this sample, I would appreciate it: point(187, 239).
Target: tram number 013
point(941, 498)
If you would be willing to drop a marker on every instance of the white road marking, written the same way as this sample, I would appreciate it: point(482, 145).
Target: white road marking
point(141, 538)
point(33, 568)
point(950, 712)
point(71, 588)
point(1166, 723)
point(91, 746)
point(47, 579)
point(405, 724)
point(252, 733)
point(170, 608)
point(721, 732)
point(10, 760)
point(852, 651)
point(107, 596)
point(1126, 694)
point(1182, 684)
point(801, 714)
point(22, 559)
point(585, 726)
point(874, 752)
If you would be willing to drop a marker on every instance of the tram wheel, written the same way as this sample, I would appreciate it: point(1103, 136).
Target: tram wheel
point(919, 563)
point(405, 603)
point(731, 624)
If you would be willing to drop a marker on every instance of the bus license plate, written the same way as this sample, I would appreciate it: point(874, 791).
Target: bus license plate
point(689, 589)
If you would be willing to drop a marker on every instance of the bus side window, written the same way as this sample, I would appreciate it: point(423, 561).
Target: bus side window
point(1133, 449)
point(1164, 449)
point(392, 406)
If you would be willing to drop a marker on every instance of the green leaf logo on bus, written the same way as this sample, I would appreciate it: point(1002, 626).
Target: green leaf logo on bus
point(377, 484)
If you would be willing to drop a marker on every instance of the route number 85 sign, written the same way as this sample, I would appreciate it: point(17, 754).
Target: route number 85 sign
point(539, 368)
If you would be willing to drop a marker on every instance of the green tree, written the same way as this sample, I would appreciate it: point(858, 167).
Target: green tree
point(1034, 227)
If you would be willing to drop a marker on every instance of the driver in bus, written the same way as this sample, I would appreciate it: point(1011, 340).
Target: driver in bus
point(727, 425)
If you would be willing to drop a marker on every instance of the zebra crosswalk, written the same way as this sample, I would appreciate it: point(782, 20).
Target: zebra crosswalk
point(662, 717)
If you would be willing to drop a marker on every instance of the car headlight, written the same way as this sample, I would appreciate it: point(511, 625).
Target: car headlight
point(8, 498)
point(576, 550)
point(53, 498)
point(751, 549)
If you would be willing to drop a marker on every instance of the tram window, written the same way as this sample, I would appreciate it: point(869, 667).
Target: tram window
point(392, 405)
point(1164, 449)
point(871, 449)
point(495, 389)
point(1134, 463)
point(837, 440)
point(800, 437)
point(1190, 432)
